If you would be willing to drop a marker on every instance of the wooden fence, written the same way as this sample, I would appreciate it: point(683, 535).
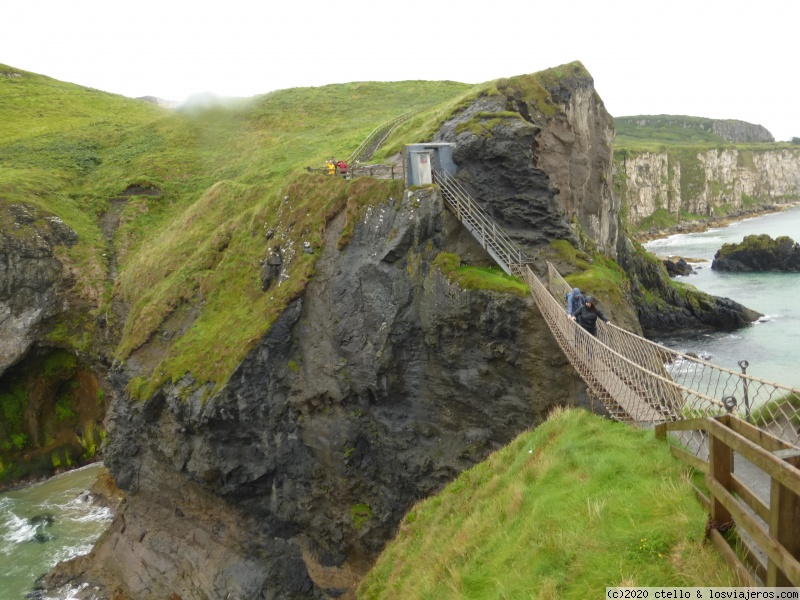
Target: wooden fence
point(768, 531)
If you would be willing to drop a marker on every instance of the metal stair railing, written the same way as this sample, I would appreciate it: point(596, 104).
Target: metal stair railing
point(502, 248)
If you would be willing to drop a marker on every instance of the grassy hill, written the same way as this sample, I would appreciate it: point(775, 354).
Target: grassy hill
point(654, 133)
point(191, 253)
point(646, 130)
point(578, 504)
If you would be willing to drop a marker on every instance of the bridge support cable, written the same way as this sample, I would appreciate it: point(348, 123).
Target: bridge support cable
point(637, 380)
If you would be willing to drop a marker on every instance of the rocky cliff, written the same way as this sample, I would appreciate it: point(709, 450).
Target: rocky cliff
point(664, 307)
point(375, 388)
point(376, 385)
point(30, 276)
point(379, 384)
point(705, 182)
point(537, 156)
point(51, 403)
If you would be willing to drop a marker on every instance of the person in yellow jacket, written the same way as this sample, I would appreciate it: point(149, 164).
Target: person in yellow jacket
point(331, 167)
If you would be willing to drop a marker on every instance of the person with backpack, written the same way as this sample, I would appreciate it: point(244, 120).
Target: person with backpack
point(586, 316)
point(574, 301)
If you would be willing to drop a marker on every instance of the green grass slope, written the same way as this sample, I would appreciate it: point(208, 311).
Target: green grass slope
point(657, 133)
point(665, 129)
point(578, 504)
point(193, 251)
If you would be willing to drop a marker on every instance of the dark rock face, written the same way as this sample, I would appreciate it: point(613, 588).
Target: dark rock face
point(372, 391)
point(537, 174)
point(677, 268)
point(759, 253)
point(662, 308)
point(30, 275)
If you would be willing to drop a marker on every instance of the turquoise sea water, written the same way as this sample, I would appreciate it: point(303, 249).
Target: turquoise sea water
point(43, 524)
point(772, 345)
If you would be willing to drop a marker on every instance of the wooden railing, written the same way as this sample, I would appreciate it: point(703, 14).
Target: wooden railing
point(772, 527)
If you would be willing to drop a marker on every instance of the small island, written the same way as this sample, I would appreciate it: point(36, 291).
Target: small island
point(759, 253)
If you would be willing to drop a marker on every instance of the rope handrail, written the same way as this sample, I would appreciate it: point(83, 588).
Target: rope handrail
point(636, 379)
point(752, 391)
point(662, 399)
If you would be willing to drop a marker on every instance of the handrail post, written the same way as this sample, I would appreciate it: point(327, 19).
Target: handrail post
point(784, 526)
point(720, 466)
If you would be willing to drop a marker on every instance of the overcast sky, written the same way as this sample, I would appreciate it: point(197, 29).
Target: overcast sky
point(725, 60)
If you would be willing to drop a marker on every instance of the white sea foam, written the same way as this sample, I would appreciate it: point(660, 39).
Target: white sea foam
point(19, 530)
point(69, 592)
point(766, 319)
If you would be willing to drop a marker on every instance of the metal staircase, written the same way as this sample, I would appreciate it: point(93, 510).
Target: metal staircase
point(499, 246)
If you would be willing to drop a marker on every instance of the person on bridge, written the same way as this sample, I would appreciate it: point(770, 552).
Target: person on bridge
point(586, 316)
point(574, 301)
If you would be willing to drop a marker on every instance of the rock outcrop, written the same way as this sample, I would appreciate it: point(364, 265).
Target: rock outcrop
point(540, 162)
point(663, 308)
point(759, 253)
point(741, 131)
point(374, 389)
point(677, 268)
point(30, 275)
point(731, 130)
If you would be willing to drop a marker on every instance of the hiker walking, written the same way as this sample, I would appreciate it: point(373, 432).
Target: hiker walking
point(586, 316)
point(342, 165)
point(574, 301)
point(331, 167)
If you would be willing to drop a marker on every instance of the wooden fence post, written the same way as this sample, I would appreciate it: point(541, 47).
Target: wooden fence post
point(720, 463)
point(784, 523)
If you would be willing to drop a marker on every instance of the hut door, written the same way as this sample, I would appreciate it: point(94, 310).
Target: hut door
point(424, 165)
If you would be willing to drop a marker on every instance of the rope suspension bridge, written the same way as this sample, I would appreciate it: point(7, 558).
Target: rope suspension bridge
point(721, 417)
point(636, 380)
